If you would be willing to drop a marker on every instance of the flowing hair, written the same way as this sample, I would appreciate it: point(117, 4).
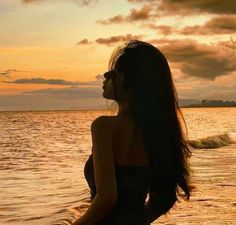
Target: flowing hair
point(155, 109)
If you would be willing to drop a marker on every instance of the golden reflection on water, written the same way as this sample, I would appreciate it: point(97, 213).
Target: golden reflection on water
point(214, 200)
point(42, 155)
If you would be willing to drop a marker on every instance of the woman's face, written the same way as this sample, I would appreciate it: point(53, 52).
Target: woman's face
point(113, 80)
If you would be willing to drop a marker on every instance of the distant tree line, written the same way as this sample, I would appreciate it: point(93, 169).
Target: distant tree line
point(214, 103)
point(217, 103)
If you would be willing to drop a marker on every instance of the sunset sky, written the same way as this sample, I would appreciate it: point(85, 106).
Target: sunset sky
point(53, 52)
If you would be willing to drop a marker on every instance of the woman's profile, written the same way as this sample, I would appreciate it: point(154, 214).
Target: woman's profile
point(139, 162)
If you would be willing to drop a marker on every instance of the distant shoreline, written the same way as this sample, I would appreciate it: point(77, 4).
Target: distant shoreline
point(207, 106)
point(103, 109)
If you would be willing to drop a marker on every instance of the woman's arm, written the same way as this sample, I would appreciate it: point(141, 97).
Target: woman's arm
point(152, 215)
point(96, 211)
point(158, 204)
point(104, 173)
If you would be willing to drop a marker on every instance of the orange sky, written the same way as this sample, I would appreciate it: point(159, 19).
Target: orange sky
point(52, 51)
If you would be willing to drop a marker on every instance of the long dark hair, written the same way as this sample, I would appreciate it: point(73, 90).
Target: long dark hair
point(155, 109)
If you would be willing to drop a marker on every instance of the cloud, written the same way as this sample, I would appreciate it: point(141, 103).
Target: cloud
point(84, 41)
point(193, 59)
point(166, 30)
point(114, 39)
point(86, 96)
point(115, 19)
point(211, 92)
point(30, 1)
point(79, 2)
point(199, 60)
point(141, 1)
point(7, 73)
point(141, 14)
point(203, 89)
point(78, 92)
point(193, 6)
point(51, 82)
point(217, 25)
point(55, 99)
point(229, 44)
point(144, 13)
point(155, 9)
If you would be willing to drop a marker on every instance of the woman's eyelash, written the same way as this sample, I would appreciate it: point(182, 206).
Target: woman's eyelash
point(107, 76)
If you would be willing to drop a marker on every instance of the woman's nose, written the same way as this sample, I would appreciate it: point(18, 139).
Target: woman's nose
point(103, 78)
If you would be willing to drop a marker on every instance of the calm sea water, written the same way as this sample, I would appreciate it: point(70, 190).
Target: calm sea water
point(43, 155)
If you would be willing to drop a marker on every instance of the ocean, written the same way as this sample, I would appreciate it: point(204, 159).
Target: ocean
point(43, 155)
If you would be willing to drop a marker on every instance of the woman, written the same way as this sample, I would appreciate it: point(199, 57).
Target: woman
point(141, 150)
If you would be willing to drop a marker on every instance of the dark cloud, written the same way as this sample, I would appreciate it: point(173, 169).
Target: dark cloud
point(115, 19)
point(141, 1)
point(120, 38)
point(30, 1)
point(193, 6)
point(144, 13)
point(155, 9)
point(229, 44)
point(217, 25)
point(199, 60)
point(51, 82)
point(7, 73)
point(79, 2)
point(139, 14)
point(84, 41)
point(163, 29)
point(112, 40)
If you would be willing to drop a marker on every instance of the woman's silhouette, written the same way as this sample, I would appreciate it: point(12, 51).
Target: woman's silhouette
point(139, 161)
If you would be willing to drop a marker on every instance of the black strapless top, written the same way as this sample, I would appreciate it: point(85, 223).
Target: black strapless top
point(133, 184)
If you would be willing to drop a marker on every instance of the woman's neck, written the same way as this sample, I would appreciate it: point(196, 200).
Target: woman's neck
point(124, 109)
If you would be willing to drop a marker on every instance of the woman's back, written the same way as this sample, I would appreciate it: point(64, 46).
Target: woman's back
point(132, 175)
point(128, 147)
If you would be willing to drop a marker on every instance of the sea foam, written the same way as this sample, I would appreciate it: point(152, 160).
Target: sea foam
point(215, 141)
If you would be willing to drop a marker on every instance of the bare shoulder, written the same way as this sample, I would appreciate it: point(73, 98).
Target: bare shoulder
point(103, 121)
point(113, 123)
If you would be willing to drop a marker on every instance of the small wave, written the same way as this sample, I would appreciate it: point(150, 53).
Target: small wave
point(67, 220)
point(215, 141)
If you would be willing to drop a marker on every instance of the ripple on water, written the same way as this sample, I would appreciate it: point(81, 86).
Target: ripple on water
point(43, 154)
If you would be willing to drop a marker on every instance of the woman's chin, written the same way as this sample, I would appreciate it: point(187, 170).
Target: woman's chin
point(105, 96)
